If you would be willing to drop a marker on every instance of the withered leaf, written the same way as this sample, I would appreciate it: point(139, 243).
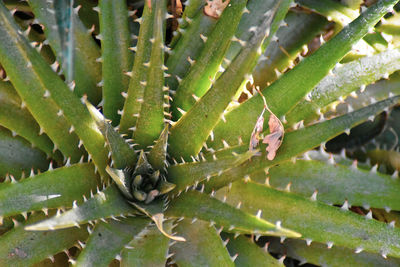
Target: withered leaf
point(258, 128)
point(215, 8)
point(275, 138)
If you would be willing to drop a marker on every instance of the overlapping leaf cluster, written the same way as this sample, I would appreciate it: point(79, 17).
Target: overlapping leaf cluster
point(122, 144)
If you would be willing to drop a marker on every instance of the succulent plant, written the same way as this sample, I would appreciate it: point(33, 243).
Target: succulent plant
point(142, 140)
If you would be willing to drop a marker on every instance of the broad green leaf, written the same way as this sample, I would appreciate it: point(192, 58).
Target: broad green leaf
point(149, 248)
point(108, 239)
point(115, 54)
point(294, 85)
point(215, 211)
point(203, 247)
point(158, 154)
point(51, 189)
point(314, 220)
point(23, 248)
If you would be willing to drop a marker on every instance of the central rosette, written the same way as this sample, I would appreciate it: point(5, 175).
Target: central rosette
point(141, 183)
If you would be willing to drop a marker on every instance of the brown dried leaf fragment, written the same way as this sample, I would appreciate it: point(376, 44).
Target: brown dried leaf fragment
point(258, 128)
point(214, 8)
point(275, 138)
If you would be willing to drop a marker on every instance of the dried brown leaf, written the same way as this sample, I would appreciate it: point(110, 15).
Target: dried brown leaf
point(215, 8)
point(276, 129)
point(275, 138)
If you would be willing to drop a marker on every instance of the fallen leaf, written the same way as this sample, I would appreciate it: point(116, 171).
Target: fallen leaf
point(214, 8)
point(258, 128)
point(276, 129)
point(275, 138)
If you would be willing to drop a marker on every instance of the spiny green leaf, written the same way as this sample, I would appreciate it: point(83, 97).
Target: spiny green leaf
point(23, 248)
point(203, 247)
point(108, 239)
point(19, 120)
point(192, 130)
point(186, 175)
point(197, 80)
point(16, 53)
point(149, 248)
point(150, 122)
point(214, 211)
point(52, 189)
point(301, 28)
point(104, 204)
point(319, 254)
point(158, 154)
point(86, 71)
point(315, 220)
point(122, 153)
point(292, 87)
point(17, 155)
point(248, 252)
point(31, 87)
point(116, 57)
point(335, 183)
point(134, 98)
point(344, 80)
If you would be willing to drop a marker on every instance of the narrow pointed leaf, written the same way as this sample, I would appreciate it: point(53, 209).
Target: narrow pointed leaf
point(116, 56)
point(121, 153)
point(302, 28)
point(158, 154)
point(103, 205)
point(150, 122)
point(148, 249)
point(222, 214)
point(108, 239)
point(52, 189)
point(188, 174)
point(315, 220)
point(134, 99)
point(344, 80)
point(86, 71)
point(335, 183)
point(22, 248)
point(203, 247)
point(295, 84)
